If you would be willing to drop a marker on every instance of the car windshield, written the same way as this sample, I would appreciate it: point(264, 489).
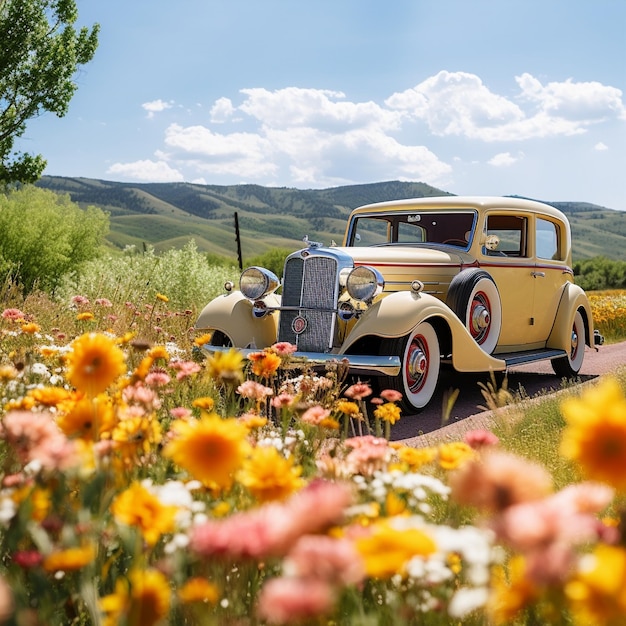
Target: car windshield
point(451, 227)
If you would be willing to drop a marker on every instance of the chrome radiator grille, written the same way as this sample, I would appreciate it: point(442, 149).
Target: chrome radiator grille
point(310, 285)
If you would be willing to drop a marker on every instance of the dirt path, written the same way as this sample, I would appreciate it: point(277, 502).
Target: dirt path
point(534, 379)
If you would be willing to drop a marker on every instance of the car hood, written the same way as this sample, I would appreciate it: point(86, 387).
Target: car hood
point(409, 255)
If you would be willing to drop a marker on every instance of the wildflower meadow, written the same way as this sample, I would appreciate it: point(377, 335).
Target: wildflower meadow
point(144, 483)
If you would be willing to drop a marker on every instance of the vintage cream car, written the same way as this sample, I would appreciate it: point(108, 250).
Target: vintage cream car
point(477, 283)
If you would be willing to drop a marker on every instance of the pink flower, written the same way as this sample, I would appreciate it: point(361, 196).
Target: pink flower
point(13, 314)
point(35, 437)
point(358, 391)
point(185, 368)
point(325, 558)
point(315, 415)
point(180, 412)
point(282, 400)
point(157, 378)
point(391, 395)
point(27, 558)
point(284, 348)
point(478, 439)
point(79, 300)
point(253, 390)
point(271, 530)
point(292, 600)
point(104, 302)
point(142, 395)
point(368, 454)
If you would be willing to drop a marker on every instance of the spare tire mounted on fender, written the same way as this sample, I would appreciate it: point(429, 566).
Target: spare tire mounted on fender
point(474, 298)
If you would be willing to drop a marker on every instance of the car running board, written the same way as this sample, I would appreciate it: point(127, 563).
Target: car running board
point(529, 356)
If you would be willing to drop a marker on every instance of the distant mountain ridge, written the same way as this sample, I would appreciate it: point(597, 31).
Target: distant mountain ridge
point(168, 215)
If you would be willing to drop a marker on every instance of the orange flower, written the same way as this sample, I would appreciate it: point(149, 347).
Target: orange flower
point(94, 363)
point(265, 364)
point(70, 559)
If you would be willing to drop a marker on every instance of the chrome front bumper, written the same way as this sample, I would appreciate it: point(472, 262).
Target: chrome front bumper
point(365, 364)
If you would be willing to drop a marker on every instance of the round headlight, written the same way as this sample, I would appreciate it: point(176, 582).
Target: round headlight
point(365, 283)
point(256, 283)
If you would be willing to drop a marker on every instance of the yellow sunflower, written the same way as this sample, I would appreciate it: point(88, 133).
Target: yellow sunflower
point(145, 599)
point(268, 475)
point(136, 506)
point(87, 418)
point(225, 367)
point(595, 433)
point(94, 363)
point(211, 449)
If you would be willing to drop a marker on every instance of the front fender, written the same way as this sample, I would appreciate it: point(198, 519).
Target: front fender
point(232, 315)
point(399, 313)
point(573, 298)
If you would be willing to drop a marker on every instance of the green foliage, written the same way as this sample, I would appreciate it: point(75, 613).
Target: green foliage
point(45, 236)
point(184, 276)
point(600, 273)
point(273, 260)
point(40, 53)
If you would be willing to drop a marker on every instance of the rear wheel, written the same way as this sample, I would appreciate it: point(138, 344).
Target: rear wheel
point(420, 363)
point(569, 366)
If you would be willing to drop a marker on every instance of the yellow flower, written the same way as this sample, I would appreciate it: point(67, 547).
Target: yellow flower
point(387, 550)
point(205, 403)
point(198, 590)
point(597, 593)
point(158, 352)
point(388, 412)
point(211, 449)
point(50, 396)
point(417, 457)
point(202, 339)
point(136, 435)
point(85, 316)
point(162, 298)
point(225, 367)
point(8, 372)
point(30, 328)
point(454, 454)
point(347, 407)
point(268, 475)
point(136, 506)
point(144, 600)
point(509, 598)
point(70, 559)
point(94, 363)
point(87, 418)
point(595, 433)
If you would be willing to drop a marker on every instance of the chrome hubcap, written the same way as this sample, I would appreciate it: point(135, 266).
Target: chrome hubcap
point(480, 319)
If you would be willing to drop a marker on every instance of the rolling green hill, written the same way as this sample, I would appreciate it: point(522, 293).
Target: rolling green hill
point(168, 215)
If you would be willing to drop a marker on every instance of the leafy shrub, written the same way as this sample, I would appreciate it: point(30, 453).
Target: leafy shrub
point(184, 276)
point(45, 236)
point(273, 260)
point(600, 273)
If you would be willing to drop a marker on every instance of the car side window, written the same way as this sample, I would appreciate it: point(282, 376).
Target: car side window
point(506, 235)
point(371, 231)
point(547, 240)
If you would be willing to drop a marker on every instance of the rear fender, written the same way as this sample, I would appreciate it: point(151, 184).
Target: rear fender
point(399, 313)
point(573, 299)
point(232, 315)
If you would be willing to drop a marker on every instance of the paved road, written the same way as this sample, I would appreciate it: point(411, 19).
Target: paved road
point(534, 379)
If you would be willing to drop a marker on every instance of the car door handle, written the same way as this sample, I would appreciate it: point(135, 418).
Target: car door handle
point(538, 274)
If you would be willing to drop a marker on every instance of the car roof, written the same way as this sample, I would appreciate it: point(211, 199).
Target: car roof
point(460, 202)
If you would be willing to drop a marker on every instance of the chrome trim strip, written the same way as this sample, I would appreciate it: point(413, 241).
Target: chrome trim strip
point(357, 363)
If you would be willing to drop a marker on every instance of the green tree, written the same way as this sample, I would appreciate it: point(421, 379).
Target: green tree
point(40, 53)
point(45, 236)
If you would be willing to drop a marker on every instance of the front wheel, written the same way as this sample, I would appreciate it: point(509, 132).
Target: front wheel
point(420, 364)
point(569, 366)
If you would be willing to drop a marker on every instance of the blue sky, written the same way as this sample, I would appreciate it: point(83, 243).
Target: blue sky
point(481, 97)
